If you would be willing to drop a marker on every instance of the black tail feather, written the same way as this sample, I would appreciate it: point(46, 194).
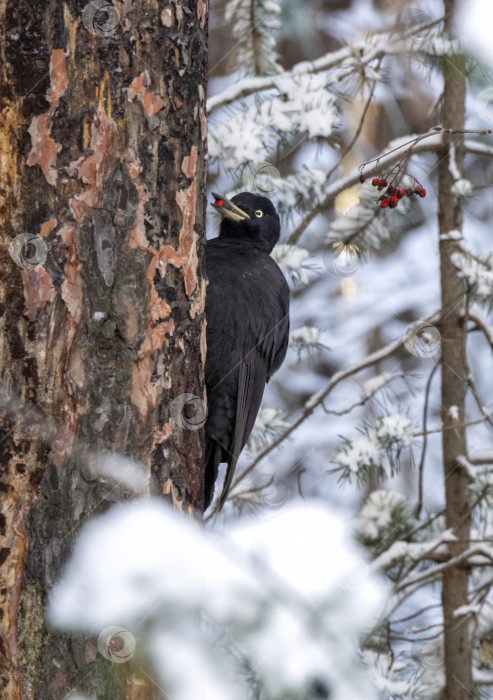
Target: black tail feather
point(213, 455)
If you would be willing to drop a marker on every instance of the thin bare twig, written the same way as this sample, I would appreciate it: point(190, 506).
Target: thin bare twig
point(357, 133)
point(425, 441)
point(482, 325)
point(364, 399)
point(477, 399)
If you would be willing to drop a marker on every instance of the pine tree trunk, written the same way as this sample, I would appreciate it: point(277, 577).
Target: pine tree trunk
point(457, 638)
point(102, 337)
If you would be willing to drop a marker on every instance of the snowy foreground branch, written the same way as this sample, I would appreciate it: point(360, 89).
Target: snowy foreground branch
point(269, 601)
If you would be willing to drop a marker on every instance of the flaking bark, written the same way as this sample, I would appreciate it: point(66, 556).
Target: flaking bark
point(102, 153)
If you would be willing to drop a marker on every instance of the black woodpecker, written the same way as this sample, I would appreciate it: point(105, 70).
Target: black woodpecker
point(247, 311)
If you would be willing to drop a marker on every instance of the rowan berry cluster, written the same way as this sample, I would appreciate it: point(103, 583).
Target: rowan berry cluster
point(392, 194)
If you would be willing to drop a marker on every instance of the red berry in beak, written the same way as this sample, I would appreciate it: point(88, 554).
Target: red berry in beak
point(219, 203)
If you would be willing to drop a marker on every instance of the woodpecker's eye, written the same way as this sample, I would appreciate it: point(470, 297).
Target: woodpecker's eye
point(259, 213)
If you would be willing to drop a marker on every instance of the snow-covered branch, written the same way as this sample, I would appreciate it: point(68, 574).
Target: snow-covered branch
point(431, 143)
point(414, 551)
point(355, 58)
point(378, 447)
point(318, 399)
point(206, 610)
point(348, 56)
point(383, 161)
point(476, 555)
point(255, 25)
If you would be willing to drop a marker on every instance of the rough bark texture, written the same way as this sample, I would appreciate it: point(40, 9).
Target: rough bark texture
point(102, 151)
point(457, 638)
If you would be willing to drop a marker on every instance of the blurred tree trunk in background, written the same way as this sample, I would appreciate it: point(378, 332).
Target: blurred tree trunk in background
point(457, 637)
point(102, 333)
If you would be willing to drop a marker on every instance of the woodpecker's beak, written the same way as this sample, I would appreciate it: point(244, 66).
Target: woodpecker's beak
point(226, 208)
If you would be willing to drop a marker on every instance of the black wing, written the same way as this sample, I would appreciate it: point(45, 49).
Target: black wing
point(247, 310)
